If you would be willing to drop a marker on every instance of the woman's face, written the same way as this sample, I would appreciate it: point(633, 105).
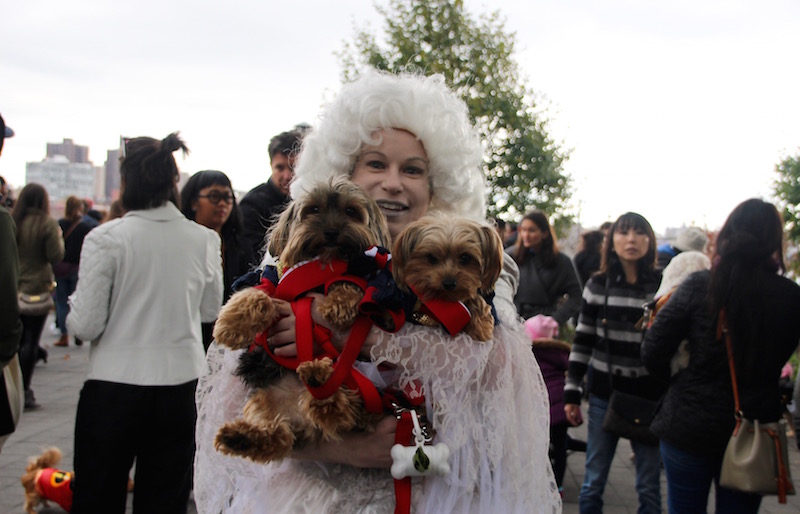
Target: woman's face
point(531, 235)
point(395, 174)
point(207, 212)
point(631, 244)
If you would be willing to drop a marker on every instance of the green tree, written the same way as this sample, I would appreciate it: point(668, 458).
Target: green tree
point(523, 165)
point(787, 191)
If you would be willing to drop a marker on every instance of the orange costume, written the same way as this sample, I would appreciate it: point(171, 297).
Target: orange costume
point(55, 485)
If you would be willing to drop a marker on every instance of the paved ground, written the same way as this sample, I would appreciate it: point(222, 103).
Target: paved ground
point(57, 385)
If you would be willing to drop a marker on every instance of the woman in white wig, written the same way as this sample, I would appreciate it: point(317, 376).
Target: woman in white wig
point(408, 142)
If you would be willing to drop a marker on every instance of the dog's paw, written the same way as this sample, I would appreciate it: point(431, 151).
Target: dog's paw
point(334, 415)
point(340, 306)
point(247, 313)
point(315, 373)
point(260, 444)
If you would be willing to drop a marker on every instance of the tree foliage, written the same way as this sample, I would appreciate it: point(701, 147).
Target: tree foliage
point(523, 164)
point(787, 190)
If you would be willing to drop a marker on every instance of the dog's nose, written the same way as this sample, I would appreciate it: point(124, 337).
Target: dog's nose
point(449, 284)
point(331, 235)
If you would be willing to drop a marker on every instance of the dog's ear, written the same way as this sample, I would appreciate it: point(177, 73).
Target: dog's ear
point(401, 251)
point(492, 249)
point(278, 234)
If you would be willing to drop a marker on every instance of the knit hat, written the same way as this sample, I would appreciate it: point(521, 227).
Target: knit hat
point(541, 327)
point(680, 267)
point(692, 238)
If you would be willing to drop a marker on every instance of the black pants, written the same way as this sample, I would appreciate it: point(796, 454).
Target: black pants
point(29, 345)
point(558, 451)
point(116, 423)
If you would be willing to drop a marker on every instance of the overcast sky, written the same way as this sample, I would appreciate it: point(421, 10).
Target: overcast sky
point(678, 110)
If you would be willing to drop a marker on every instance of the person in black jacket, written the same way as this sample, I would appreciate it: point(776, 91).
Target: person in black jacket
point(261, 206)
point(207, 198)
point(696, 417)
point(548, 283)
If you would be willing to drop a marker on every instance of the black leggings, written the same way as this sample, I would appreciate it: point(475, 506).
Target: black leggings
point(558, 451)
point(29, 345)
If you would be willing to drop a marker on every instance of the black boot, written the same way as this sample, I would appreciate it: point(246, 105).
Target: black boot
point(30, 400)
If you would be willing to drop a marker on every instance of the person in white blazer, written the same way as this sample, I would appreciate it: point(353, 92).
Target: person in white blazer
point(147, 281)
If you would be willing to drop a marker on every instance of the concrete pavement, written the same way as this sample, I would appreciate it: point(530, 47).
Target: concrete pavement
point(57, 386)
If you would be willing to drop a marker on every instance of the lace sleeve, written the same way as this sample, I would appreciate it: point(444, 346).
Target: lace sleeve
point(488, 403)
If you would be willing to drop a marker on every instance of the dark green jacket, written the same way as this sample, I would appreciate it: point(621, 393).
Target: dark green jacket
point(10, 325)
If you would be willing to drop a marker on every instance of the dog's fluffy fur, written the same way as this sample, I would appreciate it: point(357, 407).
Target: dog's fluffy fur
point(452, 259)
point(48, 459)
point(336, 220)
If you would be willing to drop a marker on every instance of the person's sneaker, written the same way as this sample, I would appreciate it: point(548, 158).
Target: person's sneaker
point(62, 341)
point(30, 400)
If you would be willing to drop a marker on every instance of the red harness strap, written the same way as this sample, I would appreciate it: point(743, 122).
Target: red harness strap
point(402, 487)
point(453, 316)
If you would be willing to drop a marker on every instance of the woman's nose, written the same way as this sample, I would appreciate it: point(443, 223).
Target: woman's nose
point(392, 179)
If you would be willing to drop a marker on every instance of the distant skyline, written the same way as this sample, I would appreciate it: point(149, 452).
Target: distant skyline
point(678, 111)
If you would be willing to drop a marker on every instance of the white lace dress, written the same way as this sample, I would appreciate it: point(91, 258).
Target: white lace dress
point(487, 401)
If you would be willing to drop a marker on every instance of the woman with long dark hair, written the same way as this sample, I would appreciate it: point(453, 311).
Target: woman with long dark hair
point(147, 282)
point(548, 283)
point(608, 340)
point(697, 415)
point(208, 198)
point(40, 247)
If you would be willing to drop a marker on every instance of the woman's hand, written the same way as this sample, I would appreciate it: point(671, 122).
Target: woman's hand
point(359, 449)
point(574, 416)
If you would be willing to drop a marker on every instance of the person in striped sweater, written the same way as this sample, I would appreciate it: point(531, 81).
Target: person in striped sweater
point(612, 306)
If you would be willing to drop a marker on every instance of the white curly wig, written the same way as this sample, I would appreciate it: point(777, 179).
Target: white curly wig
point(424, 106)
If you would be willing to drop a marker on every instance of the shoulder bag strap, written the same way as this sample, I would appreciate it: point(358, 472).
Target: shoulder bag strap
point(71, 228)
point(722, 330)
point(604, 322)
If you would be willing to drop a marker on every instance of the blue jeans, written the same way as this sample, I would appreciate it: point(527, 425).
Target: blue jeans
point(689, 478)
point(600, 448)
point(65, 287)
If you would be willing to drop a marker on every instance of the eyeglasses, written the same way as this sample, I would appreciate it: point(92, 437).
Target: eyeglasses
point(215, 197)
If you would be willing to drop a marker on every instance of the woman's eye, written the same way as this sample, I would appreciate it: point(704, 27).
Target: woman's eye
point(378, 165)
point(412, 170)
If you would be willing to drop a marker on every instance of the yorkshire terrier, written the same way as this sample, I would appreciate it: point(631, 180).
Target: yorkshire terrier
point(335, 221)
point(42, 482)
point(452, 260)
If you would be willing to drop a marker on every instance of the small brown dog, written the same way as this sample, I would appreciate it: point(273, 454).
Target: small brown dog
point(450, 259)
point(42, 482)
point(336, 221)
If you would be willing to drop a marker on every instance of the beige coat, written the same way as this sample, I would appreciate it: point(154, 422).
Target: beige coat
point(40, 246)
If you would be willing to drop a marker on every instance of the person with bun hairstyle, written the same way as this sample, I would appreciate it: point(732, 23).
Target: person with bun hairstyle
point(696, 417)
point(146, 282)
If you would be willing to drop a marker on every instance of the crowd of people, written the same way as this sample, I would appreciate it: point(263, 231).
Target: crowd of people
point(144, 286)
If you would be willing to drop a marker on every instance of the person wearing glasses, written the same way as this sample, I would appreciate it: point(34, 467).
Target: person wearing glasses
point(266, 201)
point(208, 199)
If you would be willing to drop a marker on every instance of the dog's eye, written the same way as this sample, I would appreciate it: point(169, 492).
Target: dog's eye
point(432, 259)
point(311, 209)
point(354, 213)
point(465, 259)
